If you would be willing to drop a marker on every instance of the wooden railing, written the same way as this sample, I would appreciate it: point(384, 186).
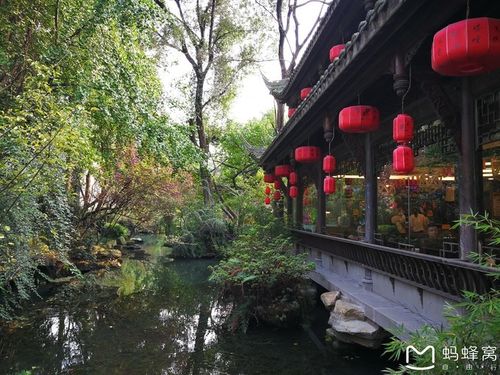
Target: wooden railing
point(447, 277)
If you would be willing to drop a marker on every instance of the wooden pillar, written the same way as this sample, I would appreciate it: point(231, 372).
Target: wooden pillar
point(370, 191)
point(289, 206)
point(298, 212)
point(469, 173)
point(321, 222)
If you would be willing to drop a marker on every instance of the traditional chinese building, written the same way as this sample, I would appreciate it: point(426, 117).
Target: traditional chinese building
point(380, 222)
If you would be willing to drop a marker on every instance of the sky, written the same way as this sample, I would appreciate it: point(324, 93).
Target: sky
point(253, 98)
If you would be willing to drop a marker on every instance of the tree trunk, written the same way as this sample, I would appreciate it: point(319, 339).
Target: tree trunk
point(205, 177)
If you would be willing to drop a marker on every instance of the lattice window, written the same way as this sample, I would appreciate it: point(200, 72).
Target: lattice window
point(350, 166)
point(434, 133)
point(488, 117)
point(426, 135)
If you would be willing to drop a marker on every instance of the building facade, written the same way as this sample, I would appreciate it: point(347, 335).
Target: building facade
point(387, 238)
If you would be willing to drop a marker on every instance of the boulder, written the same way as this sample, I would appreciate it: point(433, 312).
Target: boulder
point(348, 311)
point(335, 337)
point(360, 328)
point(329, 299)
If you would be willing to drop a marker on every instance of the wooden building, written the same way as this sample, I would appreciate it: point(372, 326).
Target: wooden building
point(392, 233)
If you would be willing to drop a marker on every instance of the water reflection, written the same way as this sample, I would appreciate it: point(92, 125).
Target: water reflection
point(172, 326)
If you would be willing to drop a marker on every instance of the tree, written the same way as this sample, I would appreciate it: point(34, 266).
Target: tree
point(290, 43)
point(215, 38)
point(77, 86)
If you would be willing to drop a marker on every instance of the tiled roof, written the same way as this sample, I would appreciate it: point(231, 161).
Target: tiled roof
point(358, 40)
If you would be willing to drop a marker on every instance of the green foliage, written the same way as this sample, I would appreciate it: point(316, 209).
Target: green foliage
point(487, 226)
point(203, 233)
point(261, 274)
point(133, 277)
point(261, 258)
point(115, 230)
point(78, 84)
point(473, 322)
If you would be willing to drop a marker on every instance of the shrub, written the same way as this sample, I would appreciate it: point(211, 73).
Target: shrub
point(262, 276)
point(204, 233)
point(115, 230)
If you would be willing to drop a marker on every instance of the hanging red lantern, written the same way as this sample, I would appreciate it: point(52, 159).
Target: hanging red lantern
point(291, 112)
point(402, 128)
point(267, 201)
point(293, 178)
point(269, 178)
point(268, 190)
point(282, 170)
point(359, 119)
point(467, 48)
point(294, 192)
point(335, 51)
point(277, 184)
point(403, 160)
point(329, 164)
point(307, 154)
point(329, 185)
point(277, 195)
point(305, 92)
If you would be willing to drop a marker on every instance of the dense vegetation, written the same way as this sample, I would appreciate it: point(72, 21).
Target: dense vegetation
point(90, 154)
point(83, 136)
point(262, 278)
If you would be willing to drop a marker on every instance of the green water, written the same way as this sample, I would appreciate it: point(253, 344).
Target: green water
point(166, 320)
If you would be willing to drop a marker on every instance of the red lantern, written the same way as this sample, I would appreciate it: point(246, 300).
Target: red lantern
point(305, 92)
point(268, 190)
point(359, 119)
point(402, 128)
point(269, 178)
point(329, 185)
point(291, 112)
point(402, 159)
point(307, 154)
point(467, 48)
point(282, 170)
point(329, 164)
point(277, 195)
point(293, 178)
point(267, 201)
point(294, 192)
point(277, 184)
point(335, 51)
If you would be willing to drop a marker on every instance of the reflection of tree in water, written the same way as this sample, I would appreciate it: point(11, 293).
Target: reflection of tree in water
point(171, 328)
point(165, 327)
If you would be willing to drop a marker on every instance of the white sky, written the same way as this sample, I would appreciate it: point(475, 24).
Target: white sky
point(253, 98)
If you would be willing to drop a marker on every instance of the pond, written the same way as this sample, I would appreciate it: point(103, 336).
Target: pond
point(165, 319)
